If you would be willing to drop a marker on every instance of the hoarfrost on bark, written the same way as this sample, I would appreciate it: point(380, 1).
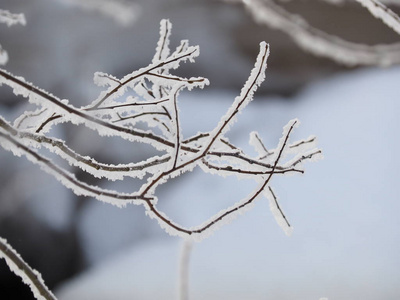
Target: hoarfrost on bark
point(277, 212)
point(149, 97)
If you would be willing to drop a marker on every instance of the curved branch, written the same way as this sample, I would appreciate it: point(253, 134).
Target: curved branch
point(230, 212)
point(81, 116)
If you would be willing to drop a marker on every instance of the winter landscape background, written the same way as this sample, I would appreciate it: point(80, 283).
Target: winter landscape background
point(346, 240)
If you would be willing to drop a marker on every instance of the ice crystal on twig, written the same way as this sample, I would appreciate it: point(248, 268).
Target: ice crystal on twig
point(150, 96)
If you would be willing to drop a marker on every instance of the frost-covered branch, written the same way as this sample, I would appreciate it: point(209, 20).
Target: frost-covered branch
point(151, 96)
point(29, 276)
point(320, 43)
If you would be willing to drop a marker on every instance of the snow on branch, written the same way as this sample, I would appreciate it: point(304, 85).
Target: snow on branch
point(150, 96)
point(9, 19)
point(29, 276)
point(320, 43)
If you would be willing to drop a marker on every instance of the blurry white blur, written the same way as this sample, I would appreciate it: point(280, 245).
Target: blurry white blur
point(346, 239)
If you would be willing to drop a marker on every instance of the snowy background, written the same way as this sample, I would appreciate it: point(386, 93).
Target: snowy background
point(344, 210)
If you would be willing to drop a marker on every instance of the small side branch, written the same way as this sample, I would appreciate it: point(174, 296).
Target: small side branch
point(277, 212)
point(199, 232)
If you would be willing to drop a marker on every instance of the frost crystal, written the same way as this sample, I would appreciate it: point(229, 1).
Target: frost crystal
point(149, 97)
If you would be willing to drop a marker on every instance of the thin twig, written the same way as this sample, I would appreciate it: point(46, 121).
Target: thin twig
point(77, 159)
